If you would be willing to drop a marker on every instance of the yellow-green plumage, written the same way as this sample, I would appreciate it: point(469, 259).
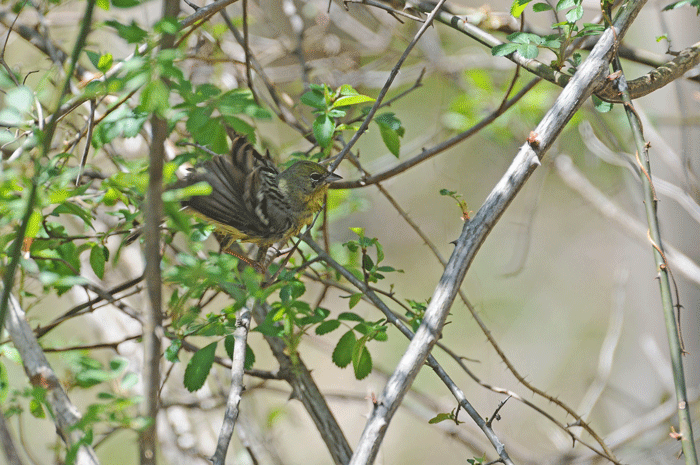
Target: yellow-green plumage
point(252, 201)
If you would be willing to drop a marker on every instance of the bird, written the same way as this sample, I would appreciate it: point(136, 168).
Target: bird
point(252, 201)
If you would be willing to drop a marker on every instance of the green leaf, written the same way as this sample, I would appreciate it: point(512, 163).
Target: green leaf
point(171, 353)
point(352, 100)
point(564, 4)
point(355, 299)
point(601, 105)
point(249, 358)
point(199, 367)
point(349, 316)
point(314, 100)
point(674, 5)
point(391, 130)
point(155, 97)
point(36, 409)
point(229, 341)
point(504, 49)
point(4, 383)
point(529, 51)
point(324, 127)
point(327, 327)
point(574, 14)
point(367, 263)
point(126, 3)
point(132, 33)
point(347, 89)
point(539, 7)
point(97, 261)
point(34, 224)
point(518, 6)
point(20, 98)
point(342, 354)
point(105, 62)
point(361, 361)
point(440, 417)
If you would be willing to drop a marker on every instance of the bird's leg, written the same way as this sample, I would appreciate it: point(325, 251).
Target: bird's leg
point(260, 268)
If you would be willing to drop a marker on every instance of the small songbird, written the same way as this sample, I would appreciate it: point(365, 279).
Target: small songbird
point(252, 201)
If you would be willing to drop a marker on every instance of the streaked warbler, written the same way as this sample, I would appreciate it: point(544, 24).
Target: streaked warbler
point(252, 201)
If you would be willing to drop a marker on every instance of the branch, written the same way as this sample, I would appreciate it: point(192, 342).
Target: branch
point(587, 79)
point(240, 336)
point(672, 326)
point(65, 414)
point(153, 319)
point(305, 389)
point(431, 361)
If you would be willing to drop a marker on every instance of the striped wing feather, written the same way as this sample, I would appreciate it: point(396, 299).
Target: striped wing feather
point(239, 182)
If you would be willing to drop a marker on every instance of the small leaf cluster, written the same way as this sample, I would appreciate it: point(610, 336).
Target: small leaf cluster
point(112, 410)
point(460, 202)
point(370, 270)
point(52, 255)
point(680, 3)
point(328, 107)
point(353, 349)
point(290, 318)
point(200, 365)
point(452, 416)
point(528, 44)
point(416, 314)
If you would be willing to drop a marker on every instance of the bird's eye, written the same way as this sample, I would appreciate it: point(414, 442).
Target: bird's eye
point(317, 177)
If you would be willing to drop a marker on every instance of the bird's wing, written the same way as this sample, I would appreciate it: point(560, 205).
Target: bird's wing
point(238, 181)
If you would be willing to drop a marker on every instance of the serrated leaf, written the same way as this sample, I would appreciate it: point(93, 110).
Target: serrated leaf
point(249, 358)
point(327, 327)
point(199, 367)
point(361, 362)
point(355, 299)
point(539, 7)
point(171, 353)
point(314, 100)
point(564, 4)
point(342, 354)
point(574, 14)
point(601, 105)
point(229, 341)
point(440, 417)
point(391, 140)
point(4, 383)
point(504, 49)
point(518, 6)
point(20, 98)
point(324, 127)
point(36, 409)
point(97, 261)
point(34, 224)
point(529, 51)
point(154, 96)
point(367, 262)
point(350, 316)
point(351, 100)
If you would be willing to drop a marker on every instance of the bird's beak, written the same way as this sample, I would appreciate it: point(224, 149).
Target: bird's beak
point(332, 177)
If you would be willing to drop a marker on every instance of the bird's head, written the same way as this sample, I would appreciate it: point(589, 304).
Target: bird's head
point(304, 184)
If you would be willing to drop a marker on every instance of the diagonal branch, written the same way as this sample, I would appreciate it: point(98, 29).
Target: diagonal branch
point(588, 78)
